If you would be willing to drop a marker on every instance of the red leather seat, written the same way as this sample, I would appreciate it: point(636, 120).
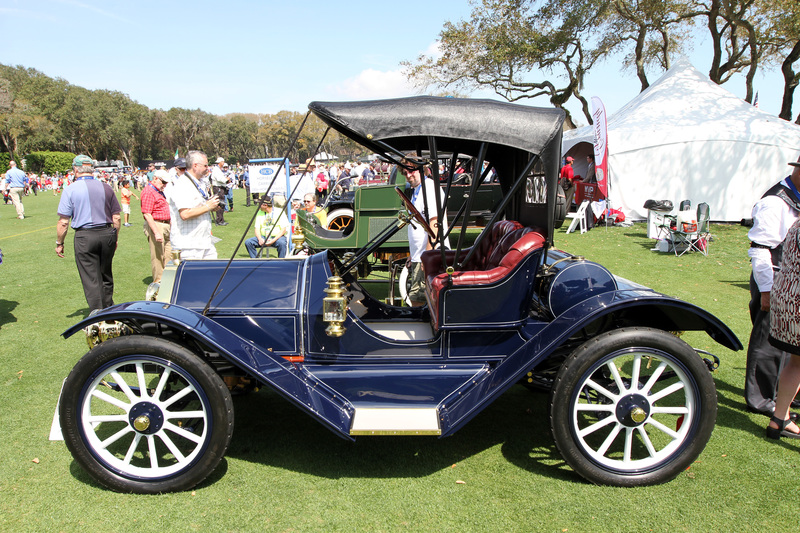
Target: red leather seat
point(507, 244)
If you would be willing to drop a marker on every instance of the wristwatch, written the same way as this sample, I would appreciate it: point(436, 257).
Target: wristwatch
point(59, 243)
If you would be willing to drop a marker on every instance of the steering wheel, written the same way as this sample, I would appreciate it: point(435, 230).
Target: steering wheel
point(415, 213)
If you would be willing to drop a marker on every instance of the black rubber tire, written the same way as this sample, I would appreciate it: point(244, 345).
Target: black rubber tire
point(125, 464)
point(341, 219)
point(583, 419)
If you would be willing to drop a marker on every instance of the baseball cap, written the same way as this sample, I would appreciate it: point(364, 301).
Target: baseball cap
point(795, 163)
point(180, 163)
point(220, 160)
point(163, 175)
point(81, 160)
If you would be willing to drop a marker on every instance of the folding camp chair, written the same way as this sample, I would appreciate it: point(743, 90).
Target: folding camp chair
point(669, 222)
point(700, 244)
point(687, 235)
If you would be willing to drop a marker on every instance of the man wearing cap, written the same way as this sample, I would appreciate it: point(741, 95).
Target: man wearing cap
point(16, 181)
point(219, 186)
point(155, 210)
point(94, 210)
point(566, 180)
point(190, 207)
point(270, 230)
point(773, 215)
point(178, 168)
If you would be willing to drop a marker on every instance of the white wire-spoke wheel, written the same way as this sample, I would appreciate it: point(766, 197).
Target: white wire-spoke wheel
point(146, 415)
point(632, 407)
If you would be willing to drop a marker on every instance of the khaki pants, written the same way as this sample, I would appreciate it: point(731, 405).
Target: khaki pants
point(15, 193)
point(160, 252)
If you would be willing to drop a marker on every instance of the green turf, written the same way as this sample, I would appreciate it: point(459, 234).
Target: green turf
point(285, 472)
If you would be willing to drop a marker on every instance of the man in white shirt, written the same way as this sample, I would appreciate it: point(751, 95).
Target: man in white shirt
point(219, 186)
point(190, 211)
point(773, 215)
point(417, 237)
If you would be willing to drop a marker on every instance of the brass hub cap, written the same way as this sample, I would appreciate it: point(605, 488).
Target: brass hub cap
point(146, 418)
point(633, 410)
point(141, 423)
point(638, 415)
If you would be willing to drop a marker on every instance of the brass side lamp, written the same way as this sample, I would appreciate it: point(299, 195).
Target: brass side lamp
point(334, 307)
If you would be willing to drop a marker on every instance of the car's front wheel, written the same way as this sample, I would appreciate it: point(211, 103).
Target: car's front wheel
point(143, 414)
point(632, 407)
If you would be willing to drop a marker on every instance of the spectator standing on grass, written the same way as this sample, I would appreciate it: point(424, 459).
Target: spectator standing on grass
point(93, 209)
point(155, 210)
point(773, 215)
point(784, 335)
point(190, 211)
point(16, 182)
point(219, 186)
point(231, 185)
point(125, 195)
point(418, 240)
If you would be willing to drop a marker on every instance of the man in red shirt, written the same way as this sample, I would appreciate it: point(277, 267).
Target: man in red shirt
point(155, 210)
point(566, 179)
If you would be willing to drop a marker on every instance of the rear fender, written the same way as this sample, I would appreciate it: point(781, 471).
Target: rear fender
point(640, 308)
point(289, 380)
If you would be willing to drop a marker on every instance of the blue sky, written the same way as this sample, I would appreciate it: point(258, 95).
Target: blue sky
point(258, 56)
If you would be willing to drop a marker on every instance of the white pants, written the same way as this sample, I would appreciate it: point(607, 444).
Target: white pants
point(198, 253)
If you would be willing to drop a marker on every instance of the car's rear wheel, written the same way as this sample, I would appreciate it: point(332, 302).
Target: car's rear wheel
point(632, 407)
point(341, 219)
point(143, 414)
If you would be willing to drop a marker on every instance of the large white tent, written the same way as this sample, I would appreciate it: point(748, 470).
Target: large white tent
point(686, 137)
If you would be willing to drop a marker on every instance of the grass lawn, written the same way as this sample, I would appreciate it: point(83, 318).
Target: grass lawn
point(285, 472)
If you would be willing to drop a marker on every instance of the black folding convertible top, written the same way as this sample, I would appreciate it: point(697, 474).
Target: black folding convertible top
point(404, 120)
point(512, 137)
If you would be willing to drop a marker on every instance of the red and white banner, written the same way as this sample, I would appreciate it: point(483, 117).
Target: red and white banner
point(600, 145)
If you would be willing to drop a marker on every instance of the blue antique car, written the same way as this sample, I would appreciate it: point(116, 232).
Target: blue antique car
point(148, 409)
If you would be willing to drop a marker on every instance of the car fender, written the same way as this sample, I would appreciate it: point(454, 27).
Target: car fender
point(645, 308)
point(291, 381)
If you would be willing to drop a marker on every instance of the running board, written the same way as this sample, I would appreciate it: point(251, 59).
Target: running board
point(395, 421)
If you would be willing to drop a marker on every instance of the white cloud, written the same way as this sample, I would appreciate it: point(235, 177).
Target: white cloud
point(434, 50)
point(371, 83)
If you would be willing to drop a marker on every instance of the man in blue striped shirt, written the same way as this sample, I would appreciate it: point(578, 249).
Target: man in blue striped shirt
point(94, 210)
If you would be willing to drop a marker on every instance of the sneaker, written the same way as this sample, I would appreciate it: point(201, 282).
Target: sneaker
point(126, 224)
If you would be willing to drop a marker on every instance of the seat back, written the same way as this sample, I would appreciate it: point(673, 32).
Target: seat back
point(703, 215)
point(486, 255)
point(684, 205)
point(508, 245)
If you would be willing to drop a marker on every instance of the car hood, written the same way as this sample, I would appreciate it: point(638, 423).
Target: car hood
point(259, 285)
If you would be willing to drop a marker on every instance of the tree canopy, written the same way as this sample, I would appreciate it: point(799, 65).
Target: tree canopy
point(41, 113)
point(530, 48)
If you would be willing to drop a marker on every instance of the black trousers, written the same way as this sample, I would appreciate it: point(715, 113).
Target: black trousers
point(764, 361)
point(220, 192)
point(94, 253)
